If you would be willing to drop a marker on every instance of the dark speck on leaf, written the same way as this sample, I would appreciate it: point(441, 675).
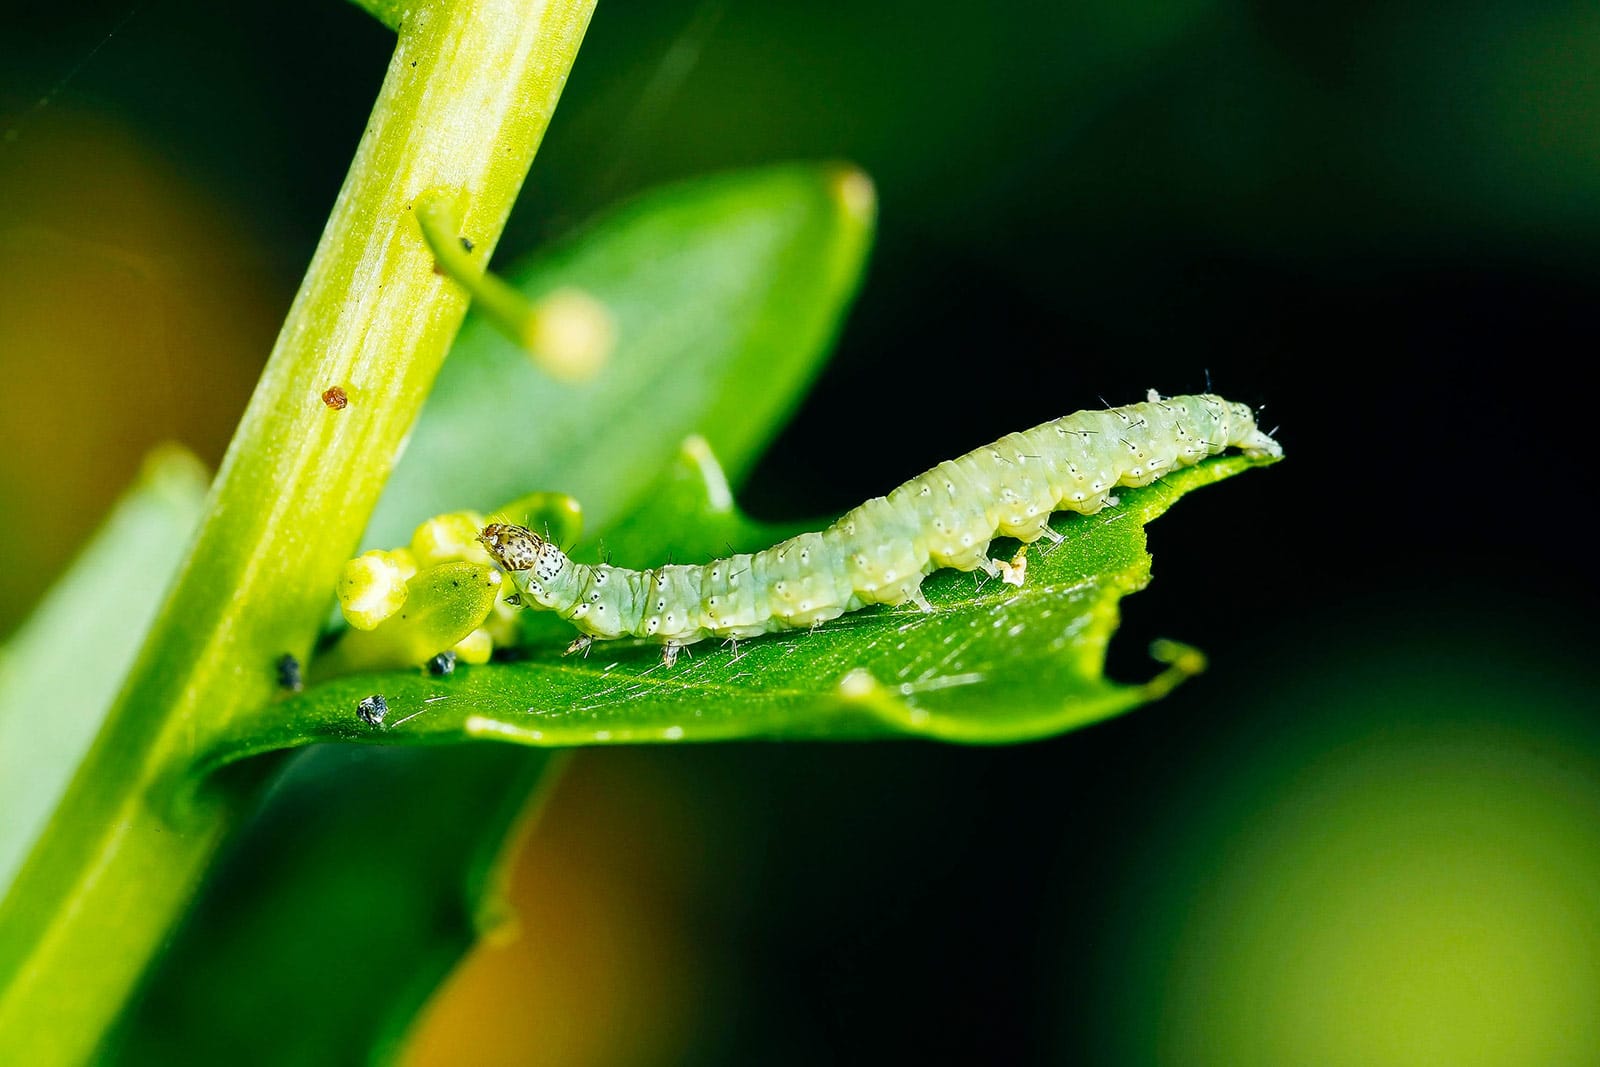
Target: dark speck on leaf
point(372, 709)
point(443, 663)
point(466, 243)
point(289, 673)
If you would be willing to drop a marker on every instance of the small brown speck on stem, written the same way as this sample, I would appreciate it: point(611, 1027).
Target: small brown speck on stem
point(336, 398)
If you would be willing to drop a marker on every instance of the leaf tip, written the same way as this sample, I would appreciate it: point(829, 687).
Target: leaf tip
point(173, 473)
point(854, 191)
point(1183, 662)
point(696, 455)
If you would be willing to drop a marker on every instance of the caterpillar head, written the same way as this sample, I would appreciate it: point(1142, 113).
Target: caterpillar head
point(532, 562)
point(1247, 436)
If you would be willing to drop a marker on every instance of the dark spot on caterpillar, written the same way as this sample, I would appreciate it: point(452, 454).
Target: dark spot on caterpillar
point(466, 244)
point(442, 664)
point(372, 709)
point(336, 398)
point(289, 673)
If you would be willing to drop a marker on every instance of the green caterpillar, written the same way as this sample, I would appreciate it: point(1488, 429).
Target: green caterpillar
point(879, 552)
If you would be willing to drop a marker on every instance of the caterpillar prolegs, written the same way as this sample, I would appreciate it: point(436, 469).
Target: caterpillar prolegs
point(880, 552)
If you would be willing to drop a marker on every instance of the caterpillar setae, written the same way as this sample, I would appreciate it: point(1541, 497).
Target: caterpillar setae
point(879, 552)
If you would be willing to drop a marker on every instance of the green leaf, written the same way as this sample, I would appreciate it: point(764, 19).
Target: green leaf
point(60, 672)
point(340, 908)
point(728, 291)
point(992, 663)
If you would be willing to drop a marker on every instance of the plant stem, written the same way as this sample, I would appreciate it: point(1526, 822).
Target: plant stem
point(465, 103)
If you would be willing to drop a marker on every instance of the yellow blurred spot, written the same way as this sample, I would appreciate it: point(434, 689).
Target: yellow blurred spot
point(600, 965)
point(570, 333)
point(856, 193)
point(1422, 896)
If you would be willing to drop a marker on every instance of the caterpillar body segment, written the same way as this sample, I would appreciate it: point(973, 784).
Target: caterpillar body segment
point(880, 552)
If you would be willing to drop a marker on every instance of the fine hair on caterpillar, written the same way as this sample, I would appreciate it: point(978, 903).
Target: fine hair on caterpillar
point(880, 552)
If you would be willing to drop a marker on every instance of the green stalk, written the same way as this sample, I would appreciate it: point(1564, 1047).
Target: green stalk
point(465, 103)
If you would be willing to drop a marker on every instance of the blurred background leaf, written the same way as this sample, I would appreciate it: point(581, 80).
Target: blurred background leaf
point(1380, 218)
point(1399, 866)
point(60, 672)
